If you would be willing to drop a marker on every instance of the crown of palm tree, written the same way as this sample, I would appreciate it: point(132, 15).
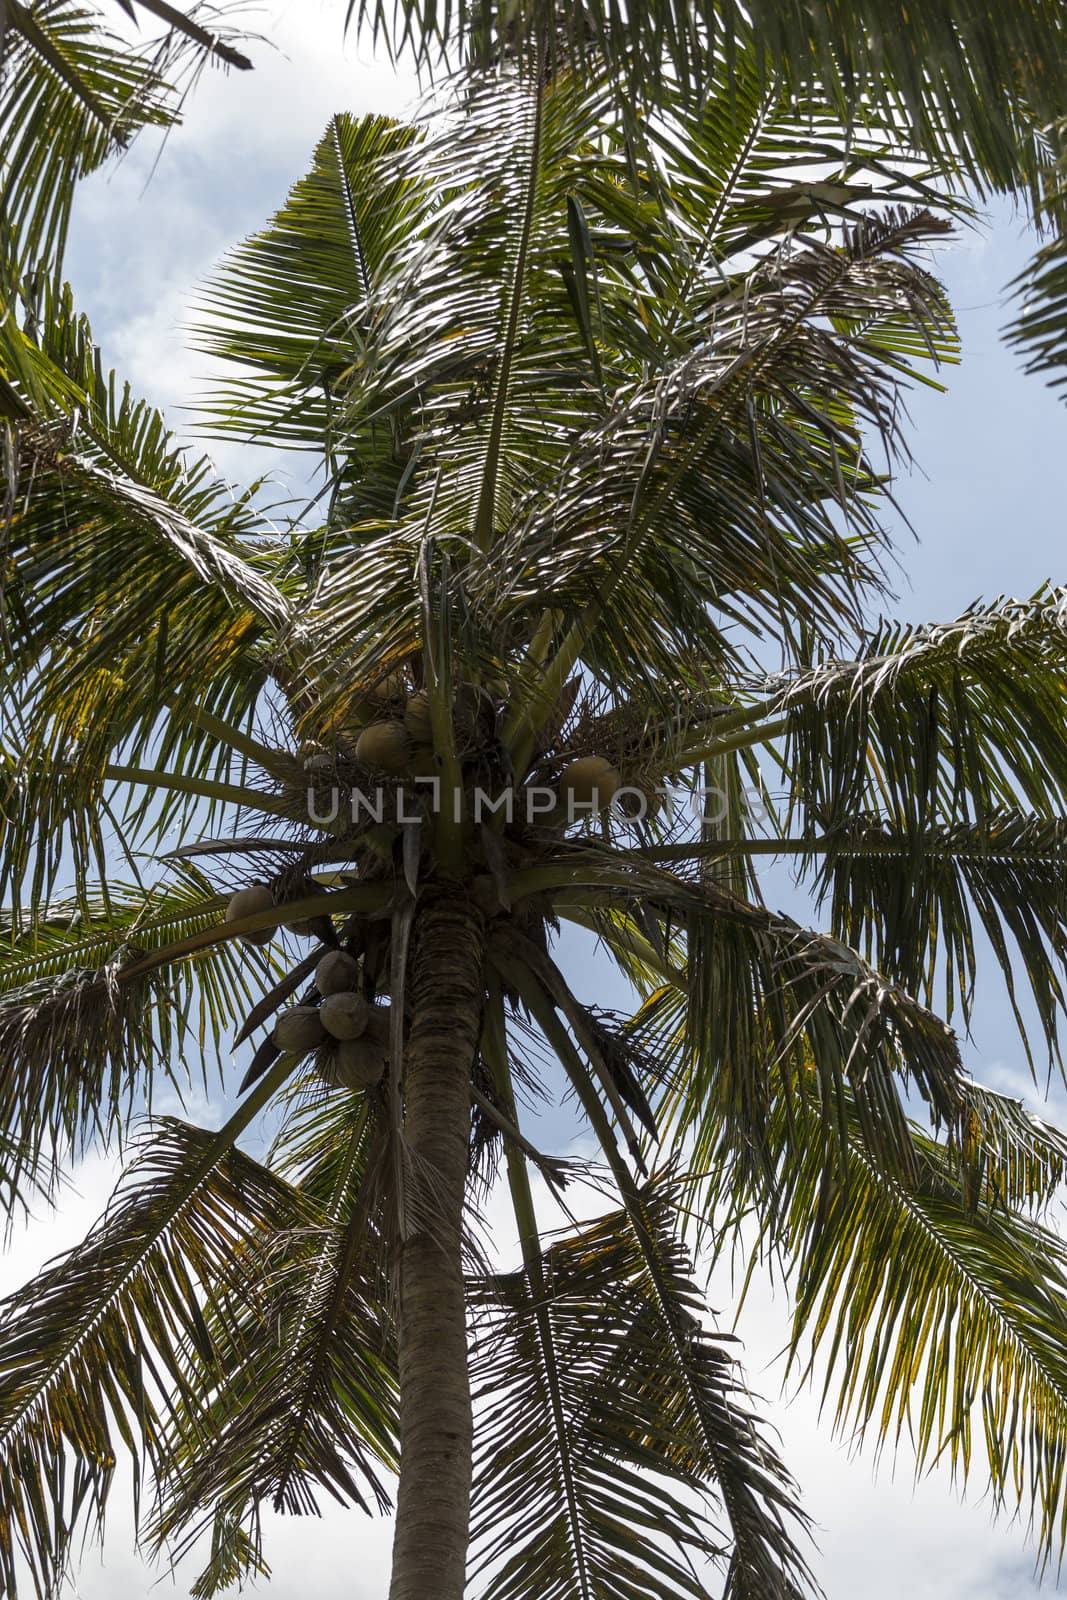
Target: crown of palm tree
point(601, 407)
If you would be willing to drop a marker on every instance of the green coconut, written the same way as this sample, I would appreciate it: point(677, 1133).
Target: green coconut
point(385, 747)
point(299, 1029)
point(417, 718)
point(344, 1015)
point(336, 973)
point(353, 1064)
point(248, 903)
point(591, 780)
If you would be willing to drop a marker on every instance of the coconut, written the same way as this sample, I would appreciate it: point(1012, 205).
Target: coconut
point(385, 746)
point(247, 903)
point(353, 1064)
point(417, 719)
point(336, 972)
point(305, 927)
point(590, 780)
point(344, 1015)
point(378, 1021)
point(299, 1029)
point(320, 761)
point(391, 687)
point(475, 709)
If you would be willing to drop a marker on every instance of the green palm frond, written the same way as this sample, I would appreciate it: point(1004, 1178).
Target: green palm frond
point(298, 301)
point(626, 542)
point(103, 997)
point(975, 83)
point(306, 1403)
point(910, 898)
point(760, 993)
point(1038, 330)
point(64, 75)
point(96, 1347)
point(607, 1406)
point(936, 1319)
point(969, 710)
point(130, 571)
point(74, 94)
point(1006, 1155)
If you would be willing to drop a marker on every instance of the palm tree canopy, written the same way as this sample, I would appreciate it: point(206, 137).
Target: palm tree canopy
point(602, 415)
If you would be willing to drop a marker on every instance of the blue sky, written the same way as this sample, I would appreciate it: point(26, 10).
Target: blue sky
point(986, 501)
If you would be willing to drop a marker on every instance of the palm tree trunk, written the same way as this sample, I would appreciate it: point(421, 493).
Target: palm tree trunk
point(433, 1507)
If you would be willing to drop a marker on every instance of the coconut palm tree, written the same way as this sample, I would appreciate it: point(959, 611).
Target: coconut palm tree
point(602, 415)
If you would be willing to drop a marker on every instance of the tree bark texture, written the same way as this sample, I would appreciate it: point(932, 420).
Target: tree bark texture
point(433, 1505)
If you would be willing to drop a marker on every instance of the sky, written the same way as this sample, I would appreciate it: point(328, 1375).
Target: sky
point(985, 500)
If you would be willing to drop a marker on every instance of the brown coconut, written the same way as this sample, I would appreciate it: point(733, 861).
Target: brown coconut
point(391, 687)
point(344, 1015)
point(417, 718)
point(352, 1064)
point(385, 747)
point(336, 972)
point(304, 927)
point(248, 903)
point(299, 1029)
point(590, 780)
point(378, 1022)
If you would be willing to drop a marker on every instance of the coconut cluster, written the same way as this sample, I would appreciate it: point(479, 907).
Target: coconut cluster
point(400, 743)
point(350, 1036)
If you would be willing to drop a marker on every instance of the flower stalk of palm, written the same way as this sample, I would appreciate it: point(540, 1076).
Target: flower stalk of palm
point(590, 425)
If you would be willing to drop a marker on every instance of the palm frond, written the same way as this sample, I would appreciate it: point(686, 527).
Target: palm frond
point(135, 575)
point(607, 1407)
point(74, 94)
point(909, 897)
point(976, 85)
point(94, 1349)
point(936, 1315)
point(307, 1402)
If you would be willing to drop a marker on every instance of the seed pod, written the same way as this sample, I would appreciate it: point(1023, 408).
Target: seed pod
point(344, 1015)
point(417, 719)
point(336, 973)
point(299, 1029)
point(385, 746)
point(590, 780)
point(352, 1064)
point(246, 903)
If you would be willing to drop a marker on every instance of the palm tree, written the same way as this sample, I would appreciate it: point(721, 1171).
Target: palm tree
point(601, 411)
